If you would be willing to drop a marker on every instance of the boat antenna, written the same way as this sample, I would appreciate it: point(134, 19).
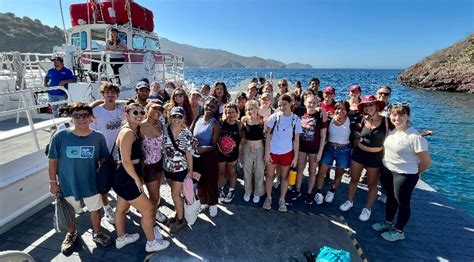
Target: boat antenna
point(62, 18)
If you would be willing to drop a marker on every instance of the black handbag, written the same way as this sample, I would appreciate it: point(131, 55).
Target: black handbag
point(106, 173)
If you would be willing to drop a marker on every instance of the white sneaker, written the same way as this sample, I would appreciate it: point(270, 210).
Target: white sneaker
point(213, 210)
point(157, 233)
point(160, 216)
point(256, 199)
point(126, 239)
point(203, 207)
point(246, 198)
point(329, 197)
point(156, 245)
point(346, 206)
point(382, 198)
point(109, 215)
point(365, 214)
point(319, 198)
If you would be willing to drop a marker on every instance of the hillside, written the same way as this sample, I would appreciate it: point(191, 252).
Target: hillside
point(450, 69)
point(26, 35)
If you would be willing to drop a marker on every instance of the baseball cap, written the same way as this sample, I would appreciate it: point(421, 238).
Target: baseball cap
point(59, 58)
point(177, 110)
point(329, 90)
point(142, 84)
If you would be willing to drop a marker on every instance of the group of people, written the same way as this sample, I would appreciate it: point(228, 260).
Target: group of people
point(175, 132)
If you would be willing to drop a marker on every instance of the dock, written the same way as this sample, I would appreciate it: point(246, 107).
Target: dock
point(437, 231)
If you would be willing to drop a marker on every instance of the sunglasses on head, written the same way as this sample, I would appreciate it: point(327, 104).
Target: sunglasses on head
point(177, 116)
point(383, 93)
point(136, 112)
point(79, 116)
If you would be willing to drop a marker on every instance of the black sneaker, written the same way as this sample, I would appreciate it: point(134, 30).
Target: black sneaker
point(309, 199)
point(294, 194)
point(68, 243)
point(102, 239)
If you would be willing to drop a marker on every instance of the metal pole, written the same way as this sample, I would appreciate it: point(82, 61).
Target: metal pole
point(62, 18)
point(30, 122)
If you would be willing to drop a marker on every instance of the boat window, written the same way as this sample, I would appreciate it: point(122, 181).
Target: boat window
point(79, 40)
point(138, 42)
point(83, 40)
point(97, 40)
point(123, 37)
point(152, 44)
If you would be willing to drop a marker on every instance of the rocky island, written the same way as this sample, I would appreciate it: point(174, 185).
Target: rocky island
point(450, 69)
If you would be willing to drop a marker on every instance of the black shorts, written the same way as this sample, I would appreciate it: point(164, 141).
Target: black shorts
point(152, 172)
point(124, 185)
point(368, 159)
point(233, 156)
point(176, 176)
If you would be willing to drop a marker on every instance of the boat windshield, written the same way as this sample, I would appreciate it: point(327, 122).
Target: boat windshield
point(97, 40)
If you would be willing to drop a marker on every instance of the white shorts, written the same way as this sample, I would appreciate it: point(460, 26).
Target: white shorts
point(92, 203)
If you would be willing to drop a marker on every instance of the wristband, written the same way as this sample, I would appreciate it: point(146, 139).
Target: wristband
point(53, 181)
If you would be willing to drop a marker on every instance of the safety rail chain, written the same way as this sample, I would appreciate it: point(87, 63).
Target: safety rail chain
point(173, 65)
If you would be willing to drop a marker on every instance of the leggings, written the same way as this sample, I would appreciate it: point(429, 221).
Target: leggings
point(399, 188)
point(206, 165)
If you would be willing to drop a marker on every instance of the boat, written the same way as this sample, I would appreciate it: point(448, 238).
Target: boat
point(26, 121)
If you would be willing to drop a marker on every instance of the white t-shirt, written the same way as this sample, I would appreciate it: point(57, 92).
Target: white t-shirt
point(400, 151)
point(108, 123)
point(340, 134)
point(282, 137)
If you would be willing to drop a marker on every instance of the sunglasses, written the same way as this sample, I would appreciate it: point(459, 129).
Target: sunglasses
point(79, 116)
point(354, 91)
point(136, 112)
point(177, 116)
point(282, 84)
point(383, 94)
point(180, 94)
point(370, 104)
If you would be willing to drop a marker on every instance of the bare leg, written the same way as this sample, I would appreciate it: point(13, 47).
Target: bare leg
point(302, 158)
point(154, 191)
point(283, 180)
point(320, 178)
point(95, 219)
point(269, 179)
point(312, 171)
point(338, 178)
point(373, 175)
point(178, 201)
point(222, 174)
point(122, 207)
point(356, 170)
point(105, 199)
point(232, 173)
point(143, 205)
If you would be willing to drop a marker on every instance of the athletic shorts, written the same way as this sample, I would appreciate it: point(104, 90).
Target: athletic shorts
point(233, 156)
point(176, 176)
point(152, 171)
point(368, 159)
point(124, 185)
point(283, 159)
point(92, 203)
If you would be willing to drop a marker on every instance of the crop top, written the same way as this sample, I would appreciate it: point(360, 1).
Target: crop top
point(373, 137)
point(254, 132)
point(152, 149)
point(137, 152)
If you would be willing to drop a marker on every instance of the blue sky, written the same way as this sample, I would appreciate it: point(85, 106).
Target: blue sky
point(323, 33)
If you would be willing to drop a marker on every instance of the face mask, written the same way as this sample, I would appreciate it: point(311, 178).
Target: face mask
point(169, 90)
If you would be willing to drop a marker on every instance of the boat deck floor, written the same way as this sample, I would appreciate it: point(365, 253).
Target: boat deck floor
point(245, 232)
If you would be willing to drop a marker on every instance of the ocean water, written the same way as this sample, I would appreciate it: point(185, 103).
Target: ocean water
point(449, 115)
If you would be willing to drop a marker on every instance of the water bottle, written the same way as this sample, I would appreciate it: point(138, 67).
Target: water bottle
point(292, 176)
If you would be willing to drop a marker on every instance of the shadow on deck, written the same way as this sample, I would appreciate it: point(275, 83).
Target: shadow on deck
point(245, 232)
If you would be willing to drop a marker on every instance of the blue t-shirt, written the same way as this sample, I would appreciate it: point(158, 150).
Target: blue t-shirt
point(55, 77)
point(78, 159)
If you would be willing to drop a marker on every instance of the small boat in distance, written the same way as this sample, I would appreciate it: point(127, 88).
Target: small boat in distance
point(24, 115)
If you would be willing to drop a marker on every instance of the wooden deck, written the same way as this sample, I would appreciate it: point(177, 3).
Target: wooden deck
point(437, 231)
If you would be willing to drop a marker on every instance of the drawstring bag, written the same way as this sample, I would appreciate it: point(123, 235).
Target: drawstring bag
point(329, 254)
point(64, 214)
point(106, 173)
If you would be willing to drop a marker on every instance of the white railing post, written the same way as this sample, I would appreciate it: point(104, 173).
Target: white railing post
point(30, 121)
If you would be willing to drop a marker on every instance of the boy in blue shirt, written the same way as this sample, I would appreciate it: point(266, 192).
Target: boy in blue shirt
point(59, 75)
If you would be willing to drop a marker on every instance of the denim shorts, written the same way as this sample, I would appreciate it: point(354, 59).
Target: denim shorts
point(342, 155)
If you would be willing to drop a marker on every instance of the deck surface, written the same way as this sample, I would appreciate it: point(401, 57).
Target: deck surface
point(437, 231)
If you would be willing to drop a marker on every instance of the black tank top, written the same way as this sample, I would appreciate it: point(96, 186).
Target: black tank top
point(254, 132)
point(137, 152)
point(373, 137)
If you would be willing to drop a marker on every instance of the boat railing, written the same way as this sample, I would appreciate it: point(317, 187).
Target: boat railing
point(28, 69)
point(153, 65)
point(29, 105)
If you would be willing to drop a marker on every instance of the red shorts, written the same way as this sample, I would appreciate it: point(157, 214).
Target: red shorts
point(282, 160)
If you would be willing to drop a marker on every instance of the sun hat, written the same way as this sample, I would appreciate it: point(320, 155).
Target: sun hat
point(252, 85)
point(329, 90)
point(177, 110)
point(370, 99)
point(142, 84)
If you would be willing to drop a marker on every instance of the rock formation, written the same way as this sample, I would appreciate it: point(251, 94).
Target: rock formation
point(450, 69)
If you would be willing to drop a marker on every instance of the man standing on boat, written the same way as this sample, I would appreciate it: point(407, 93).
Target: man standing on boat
point(74, 157)
point(59, 75)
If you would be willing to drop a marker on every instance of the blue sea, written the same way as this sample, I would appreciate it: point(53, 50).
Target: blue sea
point(449, 115)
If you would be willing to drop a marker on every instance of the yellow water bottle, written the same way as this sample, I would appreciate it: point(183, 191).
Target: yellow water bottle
point(292, 176)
